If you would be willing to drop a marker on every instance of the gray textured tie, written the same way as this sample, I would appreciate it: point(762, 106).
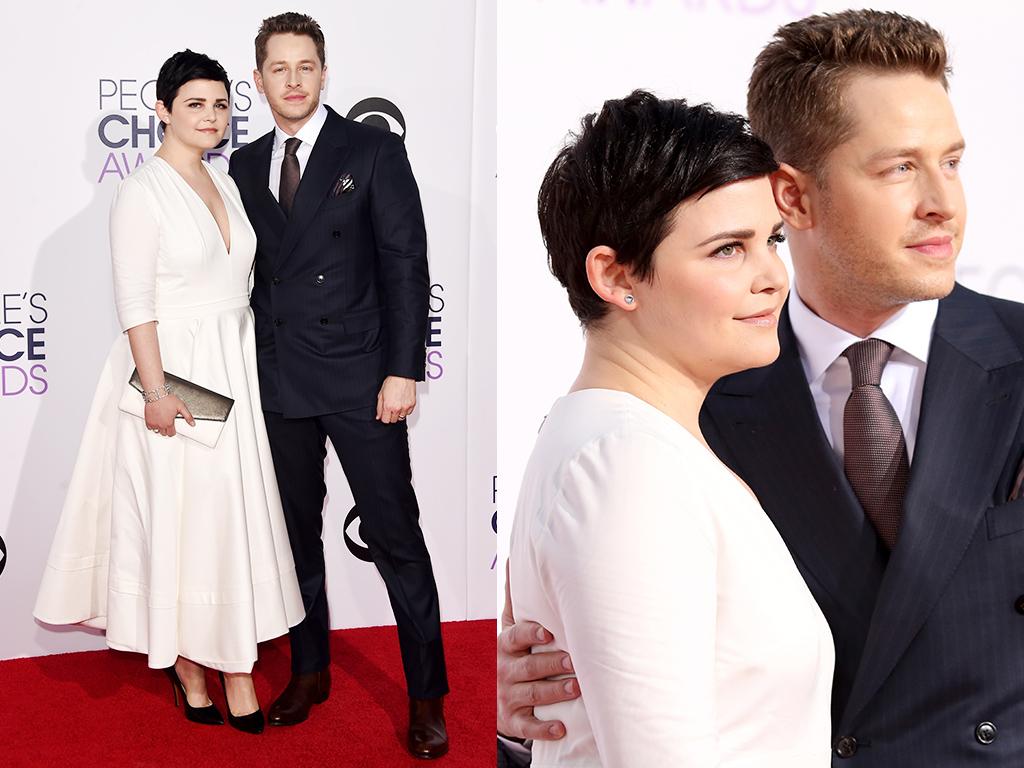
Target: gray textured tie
point(875, 450)
point(289, 175)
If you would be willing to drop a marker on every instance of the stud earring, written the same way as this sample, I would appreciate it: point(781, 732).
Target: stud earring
point(629, 298)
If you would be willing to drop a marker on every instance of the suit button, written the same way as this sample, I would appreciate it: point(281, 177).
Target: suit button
point(319, 279)
point(323, 321)
point(846, 746)
point(985, 733)
point(1018, 604)
point(276, 280)
point(335, 234)
point(278, 321)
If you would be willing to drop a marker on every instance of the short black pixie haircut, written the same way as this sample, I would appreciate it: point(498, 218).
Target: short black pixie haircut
point(618, 181)
point(183, 67)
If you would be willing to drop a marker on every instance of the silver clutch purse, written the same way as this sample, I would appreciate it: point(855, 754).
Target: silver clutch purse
point(204, 404)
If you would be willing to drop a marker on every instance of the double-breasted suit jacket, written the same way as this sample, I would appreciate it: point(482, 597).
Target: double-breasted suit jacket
point(340, 298)
point(341, 287)
point(930, 637)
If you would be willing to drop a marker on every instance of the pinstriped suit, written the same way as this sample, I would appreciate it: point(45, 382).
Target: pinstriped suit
point(929, 643)
point(340, 300)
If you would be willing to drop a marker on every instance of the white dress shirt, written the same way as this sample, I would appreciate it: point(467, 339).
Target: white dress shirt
point(695, 640)
point(821, 346)
point(307, 134)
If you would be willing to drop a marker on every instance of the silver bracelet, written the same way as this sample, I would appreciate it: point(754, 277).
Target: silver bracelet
point(152, 395)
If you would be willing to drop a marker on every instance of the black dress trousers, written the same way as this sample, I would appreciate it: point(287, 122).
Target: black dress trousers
point(375, 459)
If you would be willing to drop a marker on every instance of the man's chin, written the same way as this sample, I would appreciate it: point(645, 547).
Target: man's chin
point(936, 286)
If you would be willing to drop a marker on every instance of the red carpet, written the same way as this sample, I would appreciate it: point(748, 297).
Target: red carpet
point(106, 708)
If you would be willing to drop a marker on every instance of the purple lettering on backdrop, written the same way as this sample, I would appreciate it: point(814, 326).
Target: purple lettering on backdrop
point(34, 373)
point(435, 370)
point(9, 370)
point(110, 166)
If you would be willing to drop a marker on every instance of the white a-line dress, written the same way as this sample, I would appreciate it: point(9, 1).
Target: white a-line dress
point(693, 637)
point(172, 547)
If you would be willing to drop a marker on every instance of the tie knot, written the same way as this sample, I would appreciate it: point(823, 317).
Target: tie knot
point(291, 146)
point(867, 359)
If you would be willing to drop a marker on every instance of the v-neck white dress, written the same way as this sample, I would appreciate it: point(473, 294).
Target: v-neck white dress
point(172, 547)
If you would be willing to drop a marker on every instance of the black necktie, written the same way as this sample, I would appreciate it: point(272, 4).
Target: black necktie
point(875, 451)
point(289, 175)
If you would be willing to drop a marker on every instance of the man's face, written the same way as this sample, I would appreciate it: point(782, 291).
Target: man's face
point(889, 214)
point(291, 77)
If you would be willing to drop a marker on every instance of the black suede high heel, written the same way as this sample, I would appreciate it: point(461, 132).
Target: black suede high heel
point(251, 723)
point(208, 715)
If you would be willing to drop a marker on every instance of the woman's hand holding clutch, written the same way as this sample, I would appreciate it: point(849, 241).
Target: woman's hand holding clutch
point(160, 415)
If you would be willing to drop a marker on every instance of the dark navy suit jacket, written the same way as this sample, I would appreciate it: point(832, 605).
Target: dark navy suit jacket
point(930, 639)
point(341, 289)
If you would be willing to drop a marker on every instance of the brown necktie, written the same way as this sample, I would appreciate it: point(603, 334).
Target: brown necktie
point(875, 451)
point(289, 175)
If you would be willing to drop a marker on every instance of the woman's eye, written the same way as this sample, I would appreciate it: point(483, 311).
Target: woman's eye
point(775, 239)
point(727, 250)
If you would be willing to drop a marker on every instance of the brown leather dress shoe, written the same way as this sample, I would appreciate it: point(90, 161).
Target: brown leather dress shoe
point(299, 696)
point(428, 734)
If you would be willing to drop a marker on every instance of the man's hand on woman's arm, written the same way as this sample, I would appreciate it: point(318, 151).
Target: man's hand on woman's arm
point(522, 678)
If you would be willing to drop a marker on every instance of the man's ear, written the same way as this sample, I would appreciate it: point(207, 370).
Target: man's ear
point(257, 78)
point(610, 280)
point(792, 189)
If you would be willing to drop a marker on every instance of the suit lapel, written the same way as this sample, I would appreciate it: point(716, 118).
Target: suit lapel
point(971, 407)
point(329, 152)
point(779, 446)
point(256, 187)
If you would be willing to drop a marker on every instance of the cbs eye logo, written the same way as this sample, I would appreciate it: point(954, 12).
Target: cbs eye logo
point(3, 555)
point(357, 550)
point(380, 113)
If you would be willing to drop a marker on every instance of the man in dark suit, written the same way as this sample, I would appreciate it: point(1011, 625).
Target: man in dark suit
point(886, 441)
point(340, 301)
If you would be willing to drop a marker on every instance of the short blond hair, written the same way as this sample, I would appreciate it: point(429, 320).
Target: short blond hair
point(795, 96)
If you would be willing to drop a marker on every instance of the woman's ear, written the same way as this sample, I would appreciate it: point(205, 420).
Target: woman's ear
point(610, 280)
point(163, 114)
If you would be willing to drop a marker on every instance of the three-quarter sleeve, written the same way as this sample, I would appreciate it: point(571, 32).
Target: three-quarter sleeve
point(134, 247)
point(628, 556)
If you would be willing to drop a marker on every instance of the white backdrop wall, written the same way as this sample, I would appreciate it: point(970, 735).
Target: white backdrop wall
point(86, 120)
point(560, 59)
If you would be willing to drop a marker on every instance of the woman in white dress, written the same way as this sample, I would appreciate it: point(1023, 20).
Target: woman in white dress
point(178, 549)
point(693, 638)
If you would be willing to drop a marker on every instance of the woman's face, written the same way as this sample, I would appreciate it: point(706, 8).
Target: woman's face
point(719, 285)
point(198, 114)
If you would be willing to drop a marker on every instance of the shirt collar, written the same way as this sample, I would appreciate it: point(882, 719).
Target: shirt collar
point(307, 134)
point(820, 342)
